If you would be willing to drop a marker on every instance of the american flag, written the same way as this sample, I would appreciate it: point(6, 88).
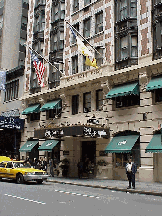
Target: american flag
point(39, 68)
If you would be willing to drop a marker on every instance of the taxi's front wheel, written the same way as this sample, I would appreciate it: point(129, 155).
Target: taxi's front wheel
point(19, 179)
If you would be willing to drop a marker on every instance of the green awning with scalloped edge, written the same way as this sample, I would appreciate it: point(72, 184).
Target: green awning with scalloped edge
point(155, 83)
point(28, 146)
point(48, 145)
point(155, 144)
point(31, 109)
point(51, 105)
point(124, 90)
point(121, 144)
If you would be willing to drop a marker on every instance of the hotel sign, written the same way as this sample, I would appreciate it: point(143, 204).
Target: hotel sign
point(72, 131)
point(11, 123)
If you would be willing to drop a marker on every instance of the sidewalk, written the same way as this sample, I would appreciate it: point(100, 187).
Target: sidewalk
point(117, 185)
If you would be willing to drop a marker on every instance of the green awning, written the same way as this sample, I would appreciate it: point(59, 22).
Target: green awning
point(31, 109)
point(48, 145)
point(128, 89)
point(28, 146)
point(121, 144)
point(155, 83)
point(51, 105)
point(155, 144)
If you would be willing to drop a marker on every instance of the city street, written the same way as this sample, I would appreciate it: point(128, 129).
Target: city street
point(61, 199)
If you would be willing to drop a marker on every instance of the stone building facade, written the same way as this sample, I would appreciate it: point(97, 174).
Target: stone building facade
point(120, 100)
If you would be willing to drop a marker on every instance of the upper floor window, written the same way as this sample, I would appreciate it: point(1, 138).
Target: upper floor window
point(125, 9)
point(12, 89)
point(58, 11)
point(39, 24)
point(99, 99)
point(85, 67)
point(74, 64)
point(99, 57)
point(87, 102)
point(87, 2)
point(76, 5)
point(124, 47)
point(99, 22)
point(86, 30)
point(40, 2)
point(75, 104)
point(126, 101)
point(76, 26)
point(34, 116)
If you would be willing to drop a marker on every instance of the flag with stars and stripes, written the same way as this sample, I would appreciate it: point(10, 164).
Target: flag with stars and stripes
point(39, 68)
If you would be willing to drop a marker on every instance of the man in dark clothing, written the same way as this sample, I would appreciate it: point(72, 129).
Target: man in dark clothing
point(131, 169)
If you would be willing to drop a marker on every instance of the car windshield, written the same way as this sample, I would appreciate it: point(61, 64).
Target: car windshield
point(21, 165)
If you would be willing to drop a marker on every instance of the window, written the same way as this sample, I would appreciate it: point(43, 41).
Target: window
point(34, 116)
point(87, 102)
point(85, 67)
point(74, 64)
point(158, 95)
point(52, 113)
point(75, 104)
point(76, 26)
point(2, 164)
point(39, 24)
point(99, 22)
point(134, 46)
point(133, 8)
point(99, 58)
point(87, 2)
point(12, 89)
point(124, 47)
point(86, 31)
point(126, 101)
point(9, 165)
point(99, 99)
point(123, 9)
point(24, 22)
point(121, 159)
point(126, 34)
point(76, 5)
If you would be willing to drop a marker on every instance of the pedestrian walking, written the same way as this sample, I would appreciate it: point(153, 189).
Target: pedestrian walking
point(131, 169)
point(51, 167)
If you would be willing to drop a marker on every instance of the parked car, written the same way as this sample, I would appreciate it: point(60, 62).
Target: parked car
point(21, 172)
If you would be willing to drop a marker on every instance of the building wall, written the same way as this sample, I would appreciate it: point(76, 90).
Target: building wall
point(13, 23)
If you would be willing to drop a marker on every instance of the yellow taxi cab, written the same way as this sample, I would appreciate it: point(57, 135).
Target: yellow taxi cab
point(21, 171)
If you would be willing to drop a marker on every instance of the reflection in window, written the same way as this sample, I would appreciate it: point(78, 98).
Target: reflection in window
point(87, 102)
point(99, 22)
point(87, 28)
point(124, 47)
point(99, 57)
point(74, 64)
point(99, 99)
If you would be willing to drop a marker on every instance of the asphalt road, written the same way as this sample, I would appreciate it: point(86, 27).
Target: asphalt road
point(51, 199)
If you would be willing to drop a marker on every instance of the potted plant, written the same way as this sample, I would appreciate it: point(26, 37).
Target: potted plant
point(102, 163)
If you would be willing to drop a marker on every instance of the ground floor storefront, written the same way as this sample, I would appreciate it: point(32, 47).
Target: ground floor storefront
point(107, 155)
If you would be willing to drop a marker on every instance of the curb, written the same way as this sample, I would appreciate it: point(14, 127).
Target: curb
point(133, 191)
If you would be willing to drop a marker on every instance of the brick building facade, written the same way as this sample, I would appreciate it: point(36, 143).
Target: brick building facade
point(122, 95)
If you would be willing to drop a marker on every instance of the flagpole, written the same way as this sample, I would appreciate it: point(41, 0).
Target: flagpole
point(84, 38)
point(45, 59)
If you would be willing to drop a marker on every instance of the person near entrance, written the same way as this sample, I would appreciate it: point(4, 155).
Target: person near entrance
point(131, 169)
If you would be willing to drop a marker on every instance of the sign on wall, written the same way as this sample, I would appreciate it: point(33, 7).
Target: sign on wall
point(11, 123)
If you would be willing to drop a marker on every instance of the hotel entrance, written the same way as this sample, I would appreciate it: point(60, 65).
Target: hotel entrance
point(89, 151)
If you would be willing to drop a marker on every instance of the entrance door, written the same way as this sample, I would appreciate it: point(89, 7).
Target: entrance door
point(89, 150)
